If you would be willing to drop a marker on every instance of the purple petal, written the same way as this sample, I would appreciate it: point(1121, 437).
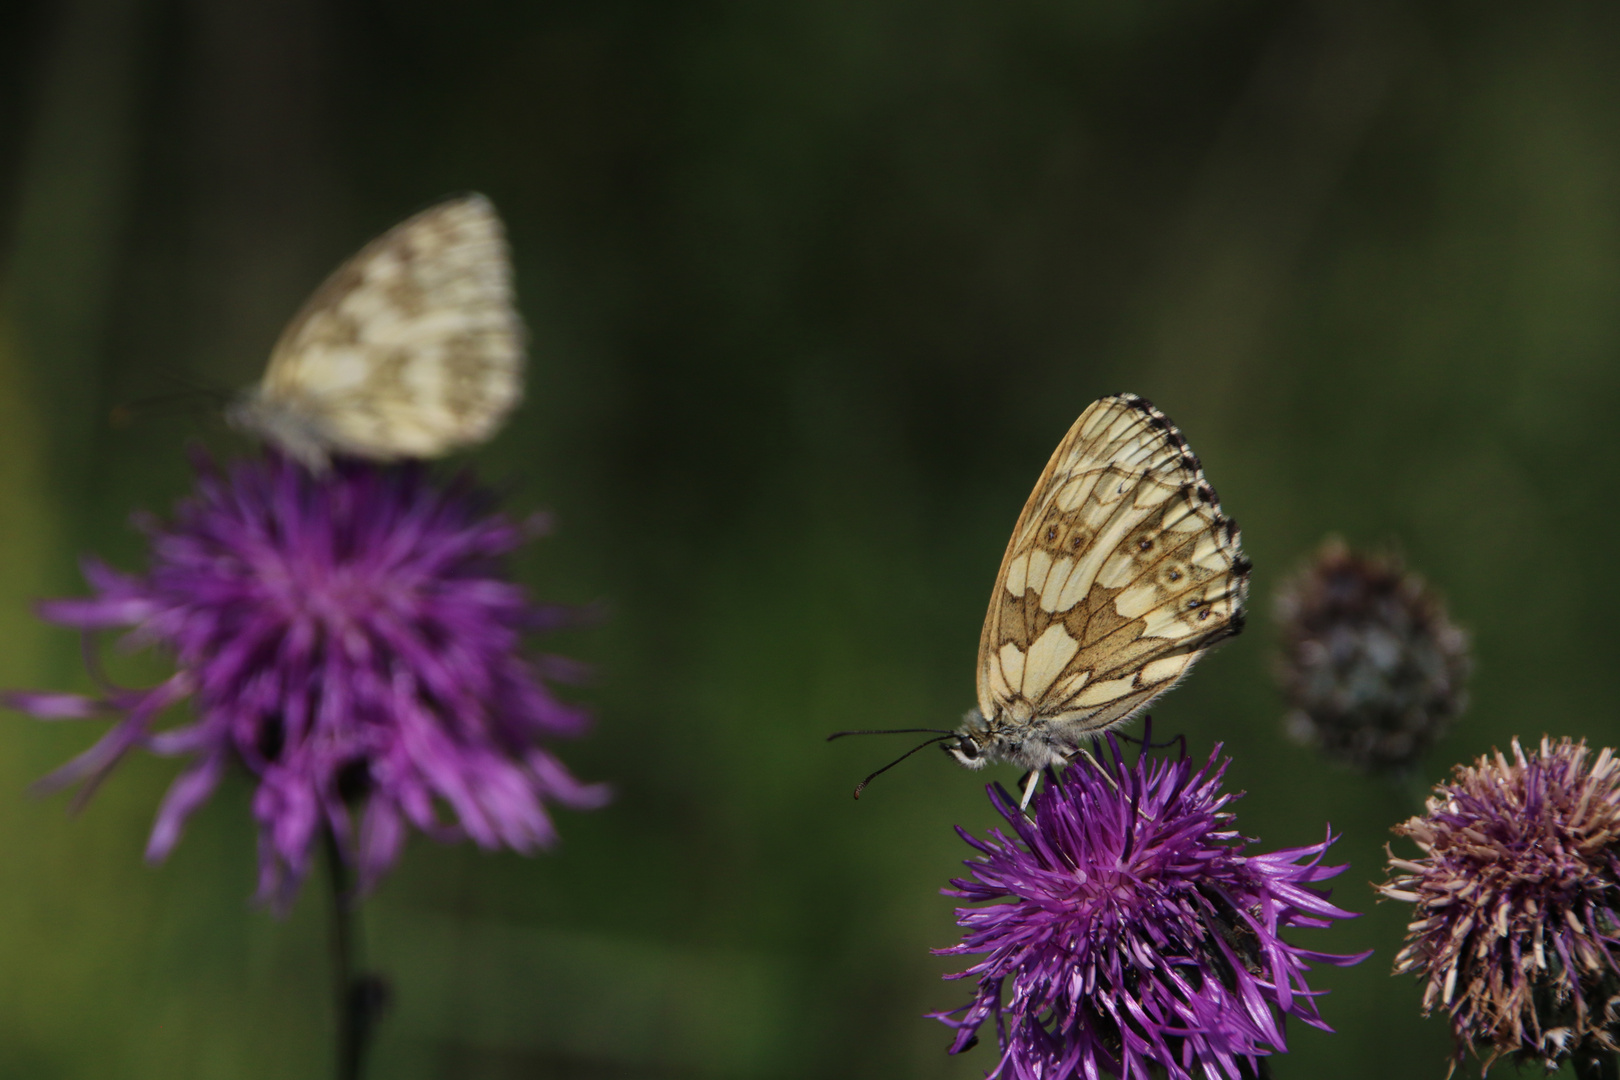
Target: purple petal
point(48, 706)
point(189, 791)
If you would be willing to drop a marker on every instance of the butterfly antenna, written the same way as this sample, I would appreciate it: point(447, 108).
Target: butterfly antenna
point(892, 731)
point(126, 413)
point(860, 787)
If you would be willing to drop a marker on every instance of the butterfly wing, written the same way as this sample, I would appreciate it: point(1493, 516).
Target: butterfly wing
point(412, 348)
point(1120, 573)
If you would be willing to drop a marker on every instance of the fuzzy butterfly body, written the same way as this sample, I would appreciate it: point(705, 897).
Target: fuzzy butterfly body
point(1121, 572)
point(412, 348)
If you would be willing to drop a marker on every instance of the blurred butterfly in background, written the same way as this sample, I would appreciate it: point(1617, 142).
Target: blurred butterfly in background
point(1121, 572)
point(411, 349)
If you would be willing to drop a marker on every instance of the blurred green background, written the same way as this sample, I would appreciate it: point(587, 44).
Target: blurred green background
point(814, 287)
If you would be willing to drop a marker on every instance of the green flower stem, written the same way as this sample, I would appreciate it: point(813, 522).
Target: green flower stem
point(358, 997)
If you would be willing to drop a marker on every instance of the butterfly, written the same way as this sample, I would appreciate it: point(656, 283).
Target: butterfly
point(1121, 572)
point(411, 349)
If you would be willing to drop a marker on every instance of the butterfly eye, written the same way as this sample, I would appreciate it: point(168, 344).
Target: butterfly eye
point(967, 748)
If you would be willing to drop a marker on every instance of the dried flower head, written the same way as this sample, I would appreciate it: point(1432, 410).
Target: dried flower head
point(1134, 931)
point(1515, 930)
point(352, 640)
point(1372, 669)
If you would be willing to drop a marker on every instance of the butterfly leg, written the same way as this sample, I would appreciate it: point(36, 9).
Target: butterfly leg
point(1081, 751)
point(1029, 788)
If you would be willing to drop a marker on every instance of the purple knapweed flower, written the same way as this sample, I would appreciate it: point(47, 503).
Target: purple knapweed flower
point(1137, 937)
point(352, 640)
point(1516, 921)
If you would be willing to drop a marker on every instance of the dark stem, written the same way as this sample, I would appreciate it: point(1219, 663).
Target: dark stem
point(1592, 1062)
point(358, 997)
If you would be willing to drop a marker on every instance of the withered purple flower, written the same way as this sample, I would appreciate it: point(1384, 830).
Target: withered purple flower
point(1372, 667)
point(1128, 932)
point(352, 639)
point(1516, 925)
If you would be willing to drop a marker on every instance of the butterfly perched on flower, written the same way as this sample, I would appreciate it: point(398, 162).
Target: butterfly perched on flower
point(1121, 572)
point(411, 349)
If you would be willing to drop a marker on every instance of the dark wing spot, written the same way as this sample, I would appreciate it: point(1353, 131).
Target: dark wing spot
point(1143, 544)
point(1051, 533)
point(1241, 566)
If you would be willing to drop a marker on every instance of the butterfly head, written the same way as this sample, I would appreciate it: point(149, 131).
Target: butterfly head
point(293, 432)
point(973, 742)
point(1008, 737)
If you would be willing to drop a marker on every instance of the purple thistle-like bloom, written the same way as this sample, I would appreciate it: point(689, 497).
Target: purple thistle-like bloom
point(1516, 922)
point(352, 639)
point(1135, 933)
